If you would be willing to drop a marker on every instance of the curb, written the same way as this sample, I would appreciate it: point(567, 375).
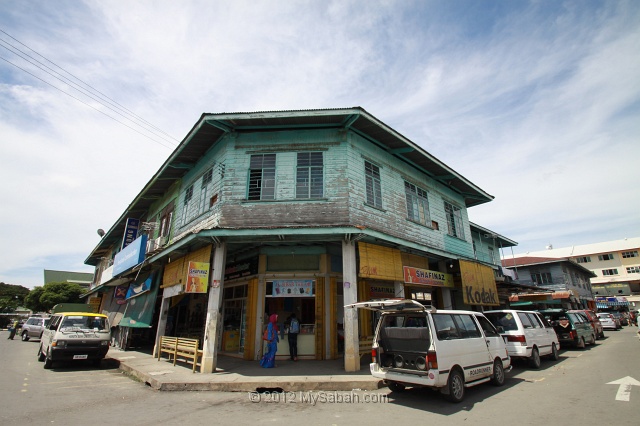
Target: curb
point(239, 383)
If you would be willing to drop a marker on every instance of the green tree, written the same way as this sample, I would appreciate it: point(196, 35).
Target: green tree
point(32, 301)
point(46, 297)
point(11, 297)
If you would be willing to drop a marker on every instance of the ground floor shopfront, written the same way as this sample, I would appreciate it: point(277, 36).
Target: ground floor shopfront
point(224, 299)
point(230, 313)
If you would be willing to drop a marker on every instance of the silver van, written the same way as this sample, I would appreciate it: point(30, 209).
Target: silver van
point(448, 350)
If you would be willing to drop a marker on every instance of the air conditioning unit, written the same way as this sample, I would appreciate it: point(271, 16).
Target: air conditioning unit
point(157, 244)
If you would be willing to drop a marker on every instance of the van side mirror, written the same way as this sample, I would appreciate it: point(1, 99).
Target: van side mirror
point(500, 329)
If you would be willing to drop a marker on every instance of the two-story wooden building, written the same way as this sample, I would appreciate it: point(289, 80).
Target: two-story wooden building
point(290, 211)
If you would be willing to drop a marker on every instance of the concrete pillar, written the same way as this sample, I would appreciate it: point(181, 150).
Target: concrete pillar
point(162, 323)
point(350, 283)
point(398, 289)
point(214, 323)
point(446, 298)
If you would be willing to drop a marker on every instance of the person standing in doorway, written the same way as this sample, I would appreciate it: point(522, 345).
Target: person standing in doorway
point(294, 330)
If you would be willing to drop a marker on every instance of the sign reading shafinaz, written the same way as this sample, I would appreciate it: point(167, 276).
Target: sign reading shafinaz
point(130, 256)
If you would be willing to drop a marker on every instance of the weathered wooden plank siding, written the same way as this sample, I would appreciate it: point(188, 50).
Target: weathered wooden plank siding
point(393, 216)
point(343, 202)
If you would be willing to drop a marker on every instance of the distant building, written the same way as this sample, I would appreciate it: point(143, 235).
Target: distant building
point(615, 264)
point(83, 279)
point(568, 280)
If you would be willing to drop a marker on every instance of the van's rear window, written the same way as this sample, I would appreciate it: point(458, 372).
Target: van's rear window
point(503, 319)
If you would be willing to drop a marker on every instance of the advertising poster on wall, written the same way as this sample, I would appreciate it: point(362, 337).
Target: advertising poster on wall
point(197, 277)
point(292, 288)
point(120, 294)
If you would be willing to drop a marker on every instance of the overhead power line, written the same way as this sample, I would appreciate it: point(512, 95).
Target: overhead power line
point(88, 91)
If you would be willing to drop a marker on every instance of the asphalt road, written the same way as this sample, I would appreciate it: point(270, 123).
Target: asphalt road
point(571, 391)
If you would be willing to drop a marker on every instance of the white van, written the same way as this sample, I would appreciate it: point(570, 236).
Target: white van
point(448, 350)
point(75, 336)
point(528, 334)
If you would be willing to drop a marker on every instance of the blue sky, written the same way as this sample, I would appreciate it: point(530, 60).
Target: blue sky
point(535, 102)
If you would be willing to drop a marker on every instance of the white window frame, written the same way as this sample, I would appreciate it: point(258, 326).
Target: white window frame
point(373, 185)
point(454, 220)
point(417, 204)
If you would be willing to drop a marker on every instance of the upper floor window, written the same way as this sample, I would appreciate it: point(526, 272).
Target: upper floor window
point(583, 259)
point(165, 220)
point(454, 220)
point(309, 175)
point(262, 177)
point(372, 182)
point(541, 278)
point(628, 254)
point(417, 204)
point(633, 270)
point(186, 205)
point(607, 272)
point(607, 256)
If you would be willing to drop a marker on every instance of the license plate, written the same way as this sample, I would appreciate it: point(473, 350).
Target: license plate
point(80, 356)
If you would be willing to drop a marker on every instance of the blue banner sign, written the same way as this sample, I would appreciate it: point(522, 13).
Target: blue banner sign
point(130, 256)
point(130, 231)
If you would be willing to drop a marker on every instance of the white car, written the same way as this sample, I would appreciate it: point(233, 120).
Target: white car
point(447, 350)
point(607, 321)
point(527, 334)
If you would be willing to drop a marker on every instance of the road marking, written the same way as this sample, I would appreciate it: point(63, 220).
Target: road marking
point(624, 390)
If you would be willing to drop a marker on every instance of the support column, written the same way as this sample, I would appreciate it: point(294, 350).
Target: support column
point(350, 283)
point(162, 323)
point(213, 326)
point(398, 289)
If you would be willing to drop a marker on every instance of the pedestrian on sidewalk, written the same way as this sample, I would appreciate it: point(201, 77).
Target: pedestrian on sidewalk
point(12, 332)
point(294, 330)
point(271, 336)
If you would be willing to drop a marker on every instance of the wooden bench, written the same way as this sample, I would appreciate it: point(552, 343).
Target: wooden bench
point(364, 346)
point(181, 347)
point(167, 345)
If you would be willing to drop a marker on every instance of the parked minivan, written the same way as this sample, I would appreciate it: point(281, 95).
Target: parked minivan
point(527, 334)
point(447, 350)
point(594, 321)
point(572, 328)
point(75, 336)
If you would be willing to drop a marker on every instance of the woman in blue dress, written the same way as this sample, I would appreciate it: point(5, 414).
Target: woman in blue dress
point(271, 336)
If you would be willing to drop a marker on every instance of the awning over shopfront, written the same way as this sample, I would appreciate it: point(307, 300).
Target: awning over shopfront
point(140, 309)
point(611, 302)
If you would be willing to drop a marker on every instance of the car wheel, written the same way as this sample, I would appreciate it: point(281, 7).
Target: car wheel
point(593, 340)
point(48, 362)
point(396, 387)
point(498, 372)
point(25, 336)
point(554, 352)
point(455, 386)
point(581, 343)
point(40, 354)
point(534, 359)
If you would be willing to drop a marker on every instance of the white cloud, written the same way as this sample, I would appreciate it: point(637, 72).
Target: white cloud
point(537, 103)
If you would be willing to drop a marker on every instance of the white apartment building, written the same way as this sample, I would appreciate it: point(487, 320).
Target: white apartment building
point(615, 263)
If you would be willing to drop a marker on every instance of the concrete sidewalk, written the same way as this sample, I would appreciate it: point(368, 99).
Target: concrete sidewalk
point(237, 375)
